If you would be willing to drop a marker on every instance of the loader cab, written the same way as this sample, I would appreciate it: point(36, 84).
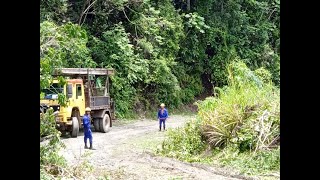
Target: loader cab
point(52, 92)
point(49, 97)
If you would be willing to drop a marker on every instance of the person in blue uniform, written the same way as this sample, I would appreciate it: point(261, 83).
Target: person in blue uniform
point(86, 127)
point(162, 116)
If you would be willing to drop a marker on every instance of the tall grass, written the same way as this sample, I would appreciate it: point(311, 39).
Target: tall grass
point(242, 119)
point(245, 113)
point(184, 143)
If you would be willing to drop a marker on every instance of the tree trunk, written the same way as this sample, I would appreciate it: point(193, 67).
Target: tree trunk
point(188, 5)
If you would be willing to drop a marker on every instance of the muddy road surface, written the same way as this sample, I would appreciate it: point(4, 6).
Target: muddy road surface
point(125, 152)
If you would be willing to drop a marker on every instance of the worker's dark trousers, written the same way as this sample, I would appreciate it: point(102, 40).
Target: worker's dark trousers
point(87, 134)
point(164, 124)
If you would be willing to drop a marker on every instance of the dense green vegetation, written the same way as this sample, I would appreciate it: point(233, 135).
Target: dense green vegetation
point(171, 51)
point(163, 51)
point(239, 127)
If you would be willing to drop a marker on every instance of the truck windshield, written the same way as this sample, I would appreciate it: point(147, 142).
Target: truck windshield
point(53, 91)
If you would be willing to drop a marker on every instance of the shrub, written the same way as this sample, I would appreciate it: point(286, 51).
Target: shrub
point(184, 143)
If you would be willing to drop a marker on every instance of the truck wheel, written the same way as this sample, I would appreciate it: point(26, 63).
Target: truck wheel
point(105, 123)
point(96, 124)
point(75, 127)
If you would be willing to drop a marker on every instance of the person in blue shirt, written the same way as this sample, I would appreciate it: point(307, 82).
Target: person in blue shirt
point(162, 116)
point(86, 127)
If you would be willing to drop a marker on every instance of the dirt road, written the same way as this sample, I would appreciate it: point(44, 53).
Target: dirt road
point(124, 153)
